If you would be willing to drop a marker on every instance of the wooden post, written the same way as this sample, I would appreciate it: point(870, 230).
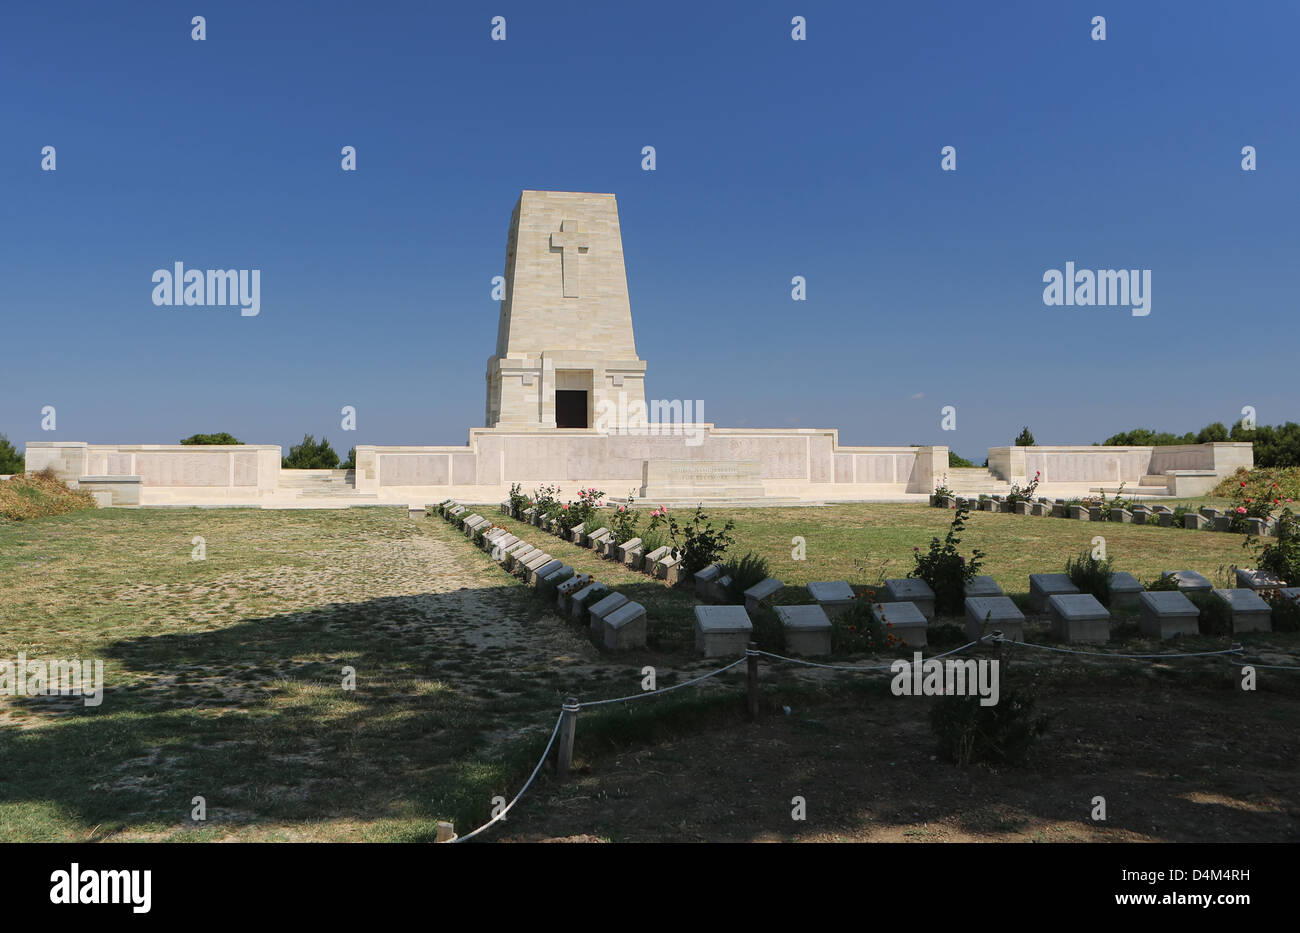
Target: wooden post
point(568, 726)
point(752, 655)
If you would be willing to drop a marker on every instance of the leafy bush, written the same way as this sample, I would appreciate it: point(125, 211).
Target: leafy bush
point(1162, 584)
point(211, 439)
point(1275, 446)
point(11, 461)
point(1286, 611)
point(1216, 615)
point(546, 499)
point(744, 573)
point(1281, 556)
point(956, 462)
point(518, 501)
point(654, 536)
point(858, 631)
point(945, 569)
point(622, 523)
point(1091, 575)
point(1024, 493)
point(579, 512)
point(1003, 734)
point(36, 495)
point(697, 543)
point(310, 455)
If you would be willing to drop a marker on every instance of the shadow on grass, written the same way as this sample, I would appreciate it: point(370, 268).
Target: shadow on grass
point(254, 718)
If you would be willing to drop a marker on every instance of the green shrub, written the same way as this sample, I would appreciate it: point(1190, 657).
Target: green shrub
point(310, 455)
point(1162, 584)
point(744, 573)
point(212, 439)
point(697, 543)
point(1281, 556)
point(956, 462)
point(11, 461)
point(858, 631)
point(518, 501)
point(945, 569)
point(1216, 615)
point(1091, 575)
point(1002, 734)
point(1286, 611)
point(37, 495)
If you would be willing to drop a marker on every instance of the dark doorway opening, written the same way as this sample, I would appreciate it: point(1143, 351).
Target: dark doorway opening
point(570, 408)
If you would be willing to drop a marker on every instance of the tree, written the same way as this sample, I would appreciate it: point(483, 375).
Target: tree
point(1026, 439)
point(351, 462)
point(211, 439)
point(310, 455)
point(11, 461)
point(957, 462)
point(1212, 433)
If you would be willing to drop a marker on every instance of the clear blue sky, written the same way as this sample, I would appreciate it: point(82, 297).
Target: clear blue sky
point(775, 158)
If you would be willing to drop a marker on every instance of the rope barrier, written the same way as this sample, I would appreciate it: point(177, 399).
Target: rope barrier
point(1235, 649)
point(858, 670)
point(528, 784)
point(651, 693)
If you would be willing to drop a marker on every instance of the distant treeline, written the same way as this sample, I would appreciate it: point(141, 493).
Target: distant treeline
point(1275, 445)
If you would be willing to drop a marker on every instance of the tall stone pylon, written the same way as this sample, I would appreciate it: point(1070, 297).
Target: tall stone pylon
point(564, 344)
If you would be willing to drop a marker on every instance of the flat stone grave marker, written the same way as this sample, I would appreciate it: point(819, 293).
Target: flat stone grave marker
point(704, 578)
point(1165, 519)
point(1194, 520)
point(1081, 513)
point(763, 590)
point(1248, 610)
point(1042, 509)
point(1094, 514)
point(1079, 617)
point(1058, 510)
point(625, 547)
point(1255, 526)
point(515, 558)
point(1189, 581)
point(601, 608)
point(1121, 515)
point(414, 510)
point(1259, 580)
point(1124, 591)
point(668, 569)
point(982, 586)
point(722, 631)
point(578, 601)
point(539, 575)
point(910, 590)
point(1022, 508)
point(905, 620)
point(575, 533)
point(1222, 522)
point(987, 505)
point(568, 588)
point(1162, 508)
point(597, 535)
point(648, 562)
point(987, 614)
point(807, 629)
point(718, 589)
point(633, 555)
point(1043, 586)
point(1166, 614)
point(625, 627)
point(535, 563)
point(834, 596)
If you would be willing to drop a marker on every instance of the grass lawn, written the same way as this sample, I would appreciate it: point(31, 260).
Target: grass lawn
point(223, 676)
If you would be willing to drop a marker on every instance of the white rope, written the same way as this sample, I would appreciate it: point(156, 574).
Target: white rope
point(1272, 667)
point(540, 762)
point(1235, 649)
point(859, 670)
point(651, 693)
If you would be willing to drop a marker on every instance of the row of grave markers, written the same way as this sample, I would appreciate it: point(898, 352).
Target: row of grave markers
point(907, 606)
point(1206, 518)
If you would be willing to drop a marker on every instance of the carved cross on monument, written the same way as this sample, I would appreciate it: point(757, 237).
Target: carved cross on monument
point(570, 241)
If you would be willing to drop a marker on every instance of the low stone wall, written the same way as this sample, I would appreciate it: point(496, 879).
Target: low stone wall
point(1113, 465)
point(167, 472)
point(797, 463)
